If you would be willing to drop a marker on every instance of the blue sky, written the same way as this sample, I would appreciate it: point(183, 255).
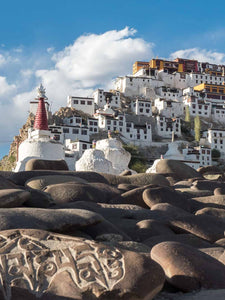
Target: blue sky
point(40, 40)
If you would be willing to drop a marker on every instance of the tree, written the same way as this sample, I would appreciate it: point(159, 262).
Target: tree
point(197, 128)
point(138, 162)
point(187, 114)
point(215, 154)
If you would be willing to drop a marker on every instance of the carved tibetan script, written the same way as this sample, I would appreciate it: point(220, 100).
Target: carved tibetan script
point(31, 265)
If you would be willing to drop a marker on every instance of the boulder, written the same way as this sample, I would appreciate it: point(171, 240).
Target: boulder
point(219, 191)
point(176, 169)
point(41, 182)
point(208, 185)
point(75, 191)
point(137, 179)
point(184, 238)
point(209, 169)
point(39, 199)
point(65, 220)
point(7, 184)
point(50, 266)
point(193, 192)
point(211, 211)
point(188, 268)
point(156, 195)
point(42, 164)
point(20, 178)
point(204, 226)
point(133, 197)
point(13, 197)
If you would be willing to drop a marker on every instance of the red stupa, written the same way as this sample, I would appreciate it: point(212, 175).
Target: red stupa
point(41, 121)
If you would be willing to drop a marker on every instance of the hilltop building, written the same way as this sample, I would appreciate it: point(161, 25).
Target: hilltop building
point(144, 108)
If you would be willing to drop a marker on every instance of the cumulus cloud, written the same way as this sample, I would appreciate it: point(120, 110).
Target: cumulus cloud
point(6, 88)
point(201, 55)
point(91, 61)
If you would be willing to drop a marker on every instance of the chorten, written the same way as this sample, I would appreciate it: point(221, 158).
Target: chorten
point(40, 143)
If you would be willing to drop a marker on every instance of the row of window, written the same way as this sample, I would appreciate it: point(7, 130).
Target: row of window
point(83, 102)
point(75, 131)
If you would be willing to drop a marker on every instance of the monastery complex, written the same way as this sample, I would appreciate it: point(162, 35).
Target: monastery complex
point(147, 108)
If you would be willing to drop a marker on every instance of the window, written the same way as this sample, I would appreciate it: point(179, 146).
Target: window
point(75, 131)
point(71, 121)
point(56, 137)
point(95, 129)
point(82, 102)
point(141, 109)
point(108, 122)
point(89, 102)
point(84, 132)
point(66, 130)
point(84, 146)
point(75, 101)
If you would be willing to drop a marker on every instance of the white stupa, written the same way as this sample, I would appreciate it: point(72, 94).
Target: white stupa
point(172, 153)
point(115, 153)
point(40, 143)
point(94, 160)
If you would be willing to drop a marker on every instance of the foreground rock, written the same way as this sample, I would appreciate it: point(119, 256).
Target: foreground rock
point(175, 169)
point(47, 266)
point(188, 268)
point(57, 221)
point(13, 197)
point(42, 164)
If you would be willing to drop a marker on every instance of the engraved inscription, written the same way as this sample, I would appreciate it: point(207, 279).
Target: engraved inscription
point(34, 267)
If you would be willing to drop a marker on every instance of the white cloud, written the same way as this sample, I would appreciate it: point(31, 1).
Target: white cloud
point(6, 88)
point(2, 60)
point(50, 50)
point(91, 61)
point(202, 55)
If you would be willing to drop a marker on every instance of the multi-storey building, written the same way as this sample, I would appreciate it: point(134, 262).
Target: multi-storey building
point(84, 104)
point(142, 107)
point(197, 106)
point(197, 157)
point(101, 98)
point(169, 108)
point(165, 126)
point(216, 139)
point(211, 92)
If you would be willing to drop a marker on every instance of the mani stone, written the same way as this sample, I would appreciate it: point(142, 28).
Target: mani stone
point(188, 268)
point(43, 164)
point(36, 264)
